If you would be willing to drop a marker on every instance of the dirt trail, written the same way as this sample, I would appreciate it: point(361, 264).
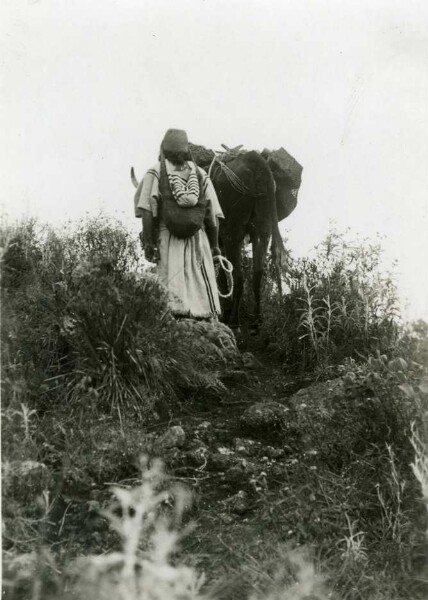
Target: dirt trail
point(235, 467)
point(225, 467)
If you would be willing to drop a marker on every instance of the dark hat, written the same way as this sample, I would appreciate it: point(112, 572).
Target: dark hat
point(175, 140)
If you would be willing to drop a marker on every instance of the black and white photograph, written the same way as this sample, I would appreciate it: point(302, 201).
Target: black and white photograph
point(214, 299)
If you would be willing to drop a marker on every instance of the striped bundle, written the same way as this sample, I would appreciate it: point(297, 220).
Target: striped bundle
point(186, 193)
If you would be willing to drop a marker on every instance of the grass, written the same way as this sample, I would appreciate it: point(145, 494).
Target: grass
point(340, 304)
point(85, 326)
point(94, 368)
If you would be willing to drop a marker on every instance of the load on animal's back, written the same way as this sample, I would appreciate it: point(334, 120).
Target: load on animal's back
point(286, 171)
point(255, 191)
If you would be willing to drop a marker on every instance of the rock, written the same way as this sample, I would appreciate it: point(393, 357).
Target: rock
point(174, 437)
point(93, 506)
point(240, 472)
point(221, 433)
point(225, 451)
point(221, 462)
point(31, 469)
point(197, 456)
point(273, 347)
point(204, 431)
point(246, 447)
point(265, 415)
point(250, 361)
point(235, 474)
point(315, 414)
point(272, 452)
point(235, 376)
point(227, 519)
point(238, 503)
point(319, 396)
point(277, 471)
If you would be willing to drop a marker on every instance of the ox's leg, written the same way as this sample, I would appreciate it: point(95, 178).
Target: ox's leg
point(233, 246)
point(260, 246)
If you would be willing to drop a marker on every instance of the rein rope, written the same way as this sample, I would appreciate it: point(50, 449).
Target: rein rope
point(221, 262)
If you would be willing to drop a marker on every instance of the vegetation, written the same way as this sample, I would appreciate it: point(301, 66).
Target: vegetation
point(340, 304)
point(85, 326)
point(95, 369)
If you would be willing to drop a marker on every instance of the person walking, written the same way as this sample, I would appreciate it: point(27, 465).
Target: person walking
point(180, 216)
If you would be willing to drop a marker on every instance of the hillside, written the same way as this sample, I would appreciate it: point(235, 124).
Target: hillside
point(287, 454)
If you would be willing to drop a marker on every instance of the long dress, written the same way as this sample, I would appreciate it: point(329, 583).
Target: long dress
point(185, 266)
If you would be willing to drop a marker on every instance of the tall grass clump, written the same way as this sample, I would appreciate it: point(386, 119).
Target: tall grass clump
point(84, 326)
point(340, 304)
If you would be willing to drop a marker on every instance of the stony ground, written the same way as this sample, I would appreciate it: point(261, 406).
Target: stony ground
point(247, 459)
point(226, 451)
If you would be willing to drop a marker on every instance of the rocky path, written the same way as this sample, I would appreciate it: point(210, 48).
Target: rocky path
point(227, 452)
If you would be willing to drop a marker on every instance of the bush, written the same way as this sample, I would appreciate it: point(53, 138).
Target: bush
point(339, 305)
point(351, 492)
point(85, 326)
point(90, 353)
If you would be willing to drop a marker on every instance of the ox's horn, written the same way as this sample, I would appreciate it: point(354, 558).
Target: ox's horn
point(235, 149)
point(133, 178)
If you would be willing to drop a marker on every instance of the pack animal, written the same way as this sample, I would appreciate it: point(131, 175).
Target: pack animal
point(246, 190)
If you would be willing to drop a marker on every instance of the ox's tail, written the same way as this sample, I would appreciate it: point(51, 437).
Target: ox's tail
point(279, 252)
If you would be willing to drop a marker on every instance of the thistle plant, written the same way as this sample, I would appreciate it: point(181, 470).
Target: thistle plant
point(25, 414)
point(142, 569)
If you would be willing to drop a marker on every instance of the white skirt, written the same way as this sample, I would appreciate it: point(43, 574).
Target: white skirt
point(186, 269)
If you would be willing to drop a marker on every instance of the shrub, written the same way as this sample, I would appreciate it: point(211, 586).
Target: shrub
point(354, 492)
point(339, 305)
point(85, 326)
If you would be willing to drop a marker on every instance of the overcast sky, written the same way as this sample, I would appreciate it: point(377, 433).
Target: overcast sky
point(89, 88)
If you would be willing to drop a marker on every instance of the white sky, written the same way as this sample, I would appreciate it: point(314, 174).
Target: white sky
point(89, 88)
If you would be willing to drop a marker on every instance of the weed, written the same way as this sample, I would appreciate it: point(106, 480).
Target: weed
point(84, 326)
point(147, 518)
point(91, 357)
point(340, 304)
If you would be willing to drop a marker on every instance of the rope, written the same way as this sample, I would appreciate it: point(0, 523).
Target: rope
point(234, 180)
point(221, 262)
point(211, 165)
